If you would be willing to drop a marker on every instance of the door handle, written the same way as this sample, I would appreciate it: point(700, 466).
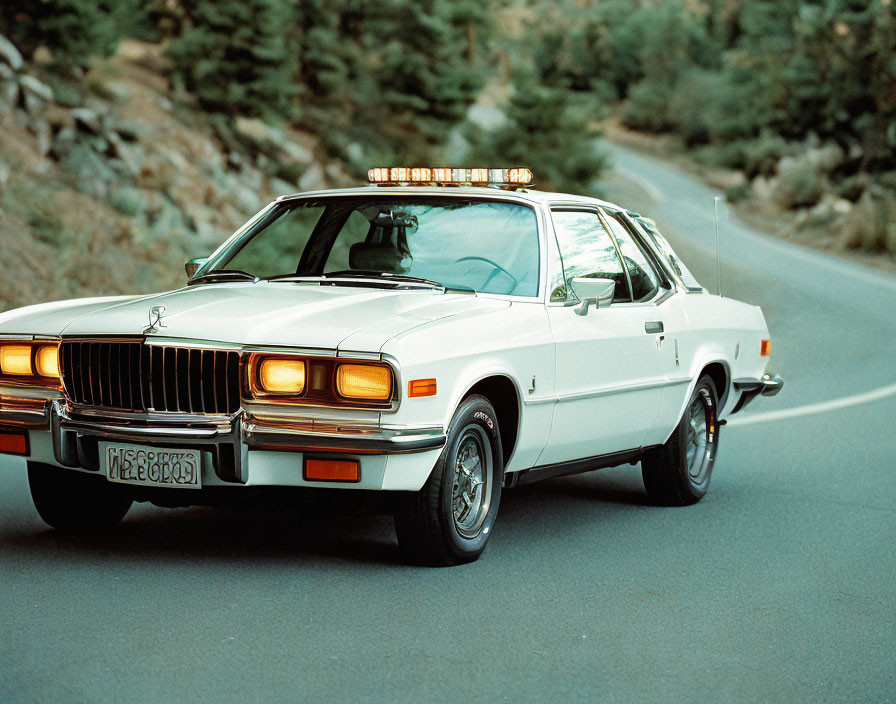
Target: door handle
point(653, 326)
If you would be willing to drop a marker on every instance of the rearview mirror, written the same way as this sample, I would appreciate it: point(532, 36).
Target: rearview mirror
point(596, 291)
point(192, 266)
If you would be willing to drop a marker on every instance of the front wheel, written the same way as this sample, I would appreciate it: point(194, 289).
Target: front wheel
point(678, 473)
point(449, 521)
point(71, 500)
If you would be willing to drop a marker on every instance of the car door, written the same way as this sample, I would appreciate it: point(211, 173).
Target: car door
point(610, 362)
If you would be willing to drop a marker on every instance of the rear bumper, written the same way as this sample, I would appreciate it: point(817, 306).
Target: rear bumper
point(768, 385)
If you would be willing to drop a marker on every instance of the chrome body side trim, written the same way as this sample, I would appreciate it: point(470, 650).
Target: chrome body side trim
point(622, 388)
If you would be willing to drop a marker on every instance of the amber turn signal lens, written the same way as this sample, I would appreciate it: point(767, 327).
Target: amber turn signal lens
point(47, 361)
point(369, 382)
point(282, 376)
point(765, 348)
point(332, 470)
point(16, 360)
point(422, 387)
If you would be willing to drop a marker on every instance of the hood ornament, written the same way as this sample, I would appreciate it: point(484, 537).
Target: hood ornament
point(155, 320)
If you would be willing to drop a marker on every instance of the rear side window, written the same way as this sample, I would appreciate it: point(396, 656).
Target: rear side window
point(586, 250)
point(644, 278)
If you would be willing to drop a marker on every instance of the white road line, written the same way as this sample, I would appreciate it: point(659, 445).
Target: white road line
point(812, 408)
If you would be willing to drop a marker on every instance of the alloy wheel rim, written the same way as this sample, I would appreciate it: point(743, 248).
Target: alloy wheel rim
point(470, 492)
point(699, 444)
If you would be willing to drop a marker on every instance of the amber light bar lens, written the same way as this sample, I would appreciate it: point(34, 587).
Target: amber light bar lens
point(332, 470)
point(765, 348)
point(418, 175)
point(282, 376)
point(368, 382)
point(15, 360)
point(422, 387)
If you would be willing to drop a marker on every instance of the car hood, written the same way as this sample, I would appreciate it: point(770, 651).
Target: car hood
point(262, 313)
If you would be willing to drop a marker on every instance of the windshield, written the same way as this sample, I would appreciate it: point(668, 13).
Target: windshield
point(483, 245)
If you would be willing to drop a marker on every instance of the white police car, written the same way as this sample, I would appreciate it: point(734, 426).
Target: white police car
point(423, 341)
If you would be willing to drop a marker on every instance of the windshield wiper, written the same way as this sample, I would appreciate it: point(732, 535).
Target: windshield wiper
point(217, 275)
point(364, 274)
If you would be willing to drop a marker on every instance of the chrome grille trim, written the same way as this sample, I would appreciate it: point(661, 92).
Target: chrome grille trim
point(132, 376)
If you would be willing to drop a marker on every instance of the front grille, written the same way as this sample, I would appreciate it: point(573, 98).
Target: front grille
point(132, 376)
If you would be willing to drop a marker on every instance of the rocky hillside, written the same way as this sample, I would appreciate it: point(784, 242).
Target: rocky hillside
point(108, 183)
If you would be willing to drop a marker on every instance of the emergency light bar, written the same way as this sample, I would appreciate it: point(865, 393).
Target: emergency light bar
point(424, 176)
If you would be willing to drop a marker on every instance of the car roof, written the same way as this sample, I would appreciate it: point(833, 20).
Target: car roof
point(521, 195)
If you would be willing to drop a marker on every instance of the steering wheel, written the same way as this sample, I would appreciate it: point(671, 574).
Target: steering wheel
point(497, 268)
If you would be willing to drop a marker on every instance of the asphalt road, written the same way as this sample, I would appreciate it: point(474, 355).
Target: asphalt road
point(778, 586)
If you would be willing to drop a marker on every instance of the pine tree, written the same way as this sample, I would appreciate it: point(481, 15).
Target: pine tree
point(73, 30)
point(239, 55)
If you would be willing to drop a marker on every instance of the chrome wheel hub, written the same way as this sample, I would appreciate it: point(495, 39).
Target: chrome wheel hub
point(470, 486)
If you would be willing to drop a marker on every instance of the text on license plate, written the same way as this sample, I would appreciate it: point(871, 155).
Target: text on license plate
point(152, 466)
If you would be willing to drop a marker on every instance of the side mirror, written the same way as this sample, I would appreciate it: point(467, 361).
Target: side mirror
point(597, 291)
point(192, 266)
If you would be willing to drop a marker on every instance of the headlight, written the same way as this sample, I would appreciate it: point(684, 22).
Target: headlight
point(282, 376)
point(367, 382)
point(47, 361)
point(15, 360)
point(283, 379)
point(38, 360)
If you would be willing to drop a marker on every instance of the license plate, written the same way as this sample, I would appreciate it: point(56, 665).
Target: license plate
point(152, 466)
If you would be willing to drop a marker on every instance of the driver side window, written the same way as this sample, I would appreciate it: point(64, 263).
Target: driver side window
point(587, 250)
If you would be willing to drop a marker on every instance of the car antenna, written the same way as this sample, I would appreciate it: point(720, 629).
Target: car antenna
point(718, 249)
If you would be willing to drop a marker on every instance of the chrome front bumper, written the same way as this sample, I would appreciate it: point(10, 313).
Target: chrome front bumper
point(75, 437)
point(768, 385)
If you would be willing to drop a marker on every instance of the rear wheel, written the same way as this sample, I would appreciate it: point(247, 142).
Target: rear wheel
point(678, 473)
point(71, 500)
point(450, 519)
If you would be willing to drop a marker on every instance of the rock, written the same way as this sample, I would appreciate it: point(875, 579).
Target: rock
point(313, 179)
point(89, 119)
point(281, 187)
point(65, 140)
point(117, 91)
point(4, 176)
point(826, 157)
point(36, 95)
point(42, 56)
point(9, 54)
point(252, 128)
point(9, 89)
point(841, 206)
point(31, 85)
point(91, 172)
point(271, 141)
point(127, 200)
point(763, 187)
point(43, 135)
point(59, 116)
point(130, 154)
point(354, 152)
point(870, 222)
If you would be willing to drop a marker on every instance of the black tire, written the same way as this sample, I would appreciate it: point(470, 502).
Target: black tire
point(430, 531)
point(70, 500)
point(669, 477)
